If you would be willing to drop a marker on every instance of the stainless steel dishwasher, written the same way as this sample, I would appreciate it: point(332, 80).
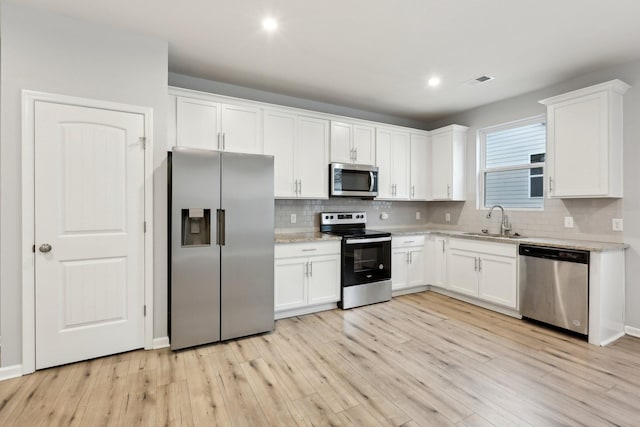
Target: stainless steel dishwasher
point(554, 286)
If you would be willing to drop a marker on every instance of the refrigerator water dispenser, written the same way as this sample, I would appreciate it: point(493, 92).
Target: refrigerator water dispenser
point(196, 227)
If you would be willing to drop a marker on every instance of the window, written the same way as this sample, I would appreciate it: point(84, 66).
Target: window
point(511, 164)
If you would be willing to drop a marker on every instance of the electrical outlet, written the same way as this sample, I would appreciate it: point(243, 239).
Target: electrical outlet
point(418, 215)
point(616, 224)
point(293, 218)
point(447, 217)
point(568, 222)
point(384, 215)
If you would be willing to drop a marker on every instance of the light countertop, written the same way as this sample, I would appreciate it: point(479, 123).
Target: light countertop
point(587, 245)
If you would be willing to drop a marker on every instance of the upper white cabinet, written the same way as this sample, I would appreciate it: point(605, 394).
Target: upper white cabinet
point(584, 142)
point(419, 166)
point(300, 146)
point(352, 143)
point(213, 125)
point(448, 148)
point(392, 159)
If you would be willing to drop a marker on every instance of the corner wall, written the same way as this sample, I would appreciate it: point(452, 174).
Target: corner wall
point(592, 217)
point(55, 54)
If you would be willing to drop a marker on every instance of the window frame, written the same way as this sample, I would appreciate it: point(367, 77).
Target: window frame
point(481, 170)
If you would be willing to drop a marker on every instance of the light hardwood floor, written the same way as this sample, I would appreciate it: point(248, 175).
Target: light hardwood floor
point(421, 359)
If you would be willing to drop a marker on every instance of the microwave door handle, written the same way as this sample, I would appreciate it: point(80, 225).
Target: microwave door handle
point(372, 178)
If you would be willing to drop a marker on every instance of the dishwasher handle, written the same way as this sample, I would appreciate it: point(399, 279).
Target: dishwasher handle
point(557, 254)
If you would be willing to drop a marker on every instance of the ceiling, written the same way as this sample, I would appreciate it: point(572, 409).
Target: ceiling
point(377, 55)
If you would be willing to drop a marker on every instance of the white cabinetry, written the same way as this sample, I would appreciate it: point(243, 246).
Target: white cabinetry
point(420, 166)
point(392, 159)
point(352, 143)
point(584, 142)
point(300, 146)
point(437, 260)
point(307, 276)
point(483, 270)
point(448, 148)
point(408, 266)
point(212, 125)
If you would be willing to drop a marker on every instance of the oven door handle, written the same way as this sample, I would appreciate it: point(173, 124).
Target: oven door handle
point(372, 240)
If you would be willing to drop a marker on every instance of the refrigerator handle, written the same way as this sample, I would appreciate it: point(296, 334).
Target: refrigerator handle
point(220, 227)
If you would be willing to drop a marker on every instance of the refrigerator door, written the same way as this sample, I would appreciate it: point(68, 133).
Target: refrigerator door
point(195, 257)
point(247, 255)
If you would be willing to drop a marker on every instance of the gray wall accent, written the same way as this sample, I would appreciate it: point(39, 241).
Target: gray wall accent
point(592, 216)
point(401, 214)
point(227, 89)
point(55, 54)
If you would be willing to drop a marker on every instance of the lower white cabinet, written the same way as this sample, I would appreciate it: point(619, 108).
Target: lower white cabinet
point(306, 274)
point(408, 262)
point(437, 261)
point(487, 271)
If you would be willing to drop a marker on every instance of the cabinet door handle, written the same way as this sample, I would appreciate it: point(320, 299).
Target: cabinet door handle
point(410, 257)
point(219, 136)
point(413, 191)
point(550, 185)
point(479, 264)
point(448, 190)
point(310, 250)
point(306, 268)
point(475, 264)
point(409, 241)
point(355, 154)
point(300, 181)
point(442, 246)
point(224, 139)
point(311, 268)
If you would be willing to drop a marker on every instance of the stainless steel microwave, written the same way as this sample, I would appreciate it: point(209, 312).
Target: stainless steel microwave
point(346, 180)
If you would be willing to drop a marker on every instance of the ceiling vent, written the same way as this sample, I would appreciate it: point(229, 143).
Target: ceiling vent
point(480, 79)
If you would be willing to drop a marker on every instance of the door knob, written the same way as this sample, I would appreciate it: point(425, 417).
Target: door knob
point(44, 248)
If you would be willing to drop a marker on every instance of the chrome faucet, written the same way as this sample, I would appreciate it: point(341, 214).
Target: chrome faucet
point(505, 227)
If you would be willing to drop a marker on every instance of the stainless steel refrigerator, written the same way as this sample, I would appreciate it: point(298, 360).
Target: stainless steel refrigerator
point(221, 246)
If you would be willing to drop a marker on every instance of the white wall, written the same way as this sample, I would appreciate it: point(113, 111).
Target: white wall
point(592, 216)
point(55, 54)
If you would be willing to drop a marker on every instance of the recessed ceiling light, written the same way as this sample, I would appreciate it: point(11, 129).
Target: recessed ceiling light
point(269, 24)
point(434, 81)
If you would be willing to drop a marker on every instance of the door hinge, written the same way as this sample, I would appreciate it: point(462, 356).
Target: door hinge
point(144, 226)
point(144, 310)
point(143, 141)
point(33, 249)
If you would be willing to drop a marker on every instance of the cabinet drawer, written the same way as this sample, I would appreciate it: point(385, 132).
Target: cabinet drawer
point(407, 241)
point(492, 248)
point(288, 250)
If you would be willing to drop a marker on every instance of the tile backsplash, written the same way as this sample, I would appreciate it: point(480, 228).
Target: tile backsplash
point(591, 217)
point(307, 218)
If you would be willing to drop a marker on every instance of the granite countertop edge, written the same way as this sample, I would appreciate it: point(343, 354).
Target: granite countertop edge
point(587, 245)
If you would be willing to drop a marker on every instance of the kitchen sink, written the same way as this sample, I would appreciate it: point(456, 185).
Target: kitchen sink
point(494, 235)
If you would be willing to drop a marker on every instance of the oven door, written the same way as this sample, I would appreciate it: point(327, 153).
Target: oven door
point(366, 260)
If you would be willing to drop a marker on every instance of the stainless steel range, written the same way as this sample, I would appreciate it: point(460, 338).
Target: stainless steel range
point(366, 258)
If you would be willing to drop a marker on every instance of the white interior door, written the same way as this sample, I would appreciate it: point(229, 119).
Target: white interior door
point(89, 242)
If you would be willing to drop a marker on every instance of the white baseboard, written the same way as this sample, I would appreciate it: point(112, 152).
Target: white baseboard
point(161, 342)
point(630, 330)
point(413, 290)
point(305, 310)
point(8, 372)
